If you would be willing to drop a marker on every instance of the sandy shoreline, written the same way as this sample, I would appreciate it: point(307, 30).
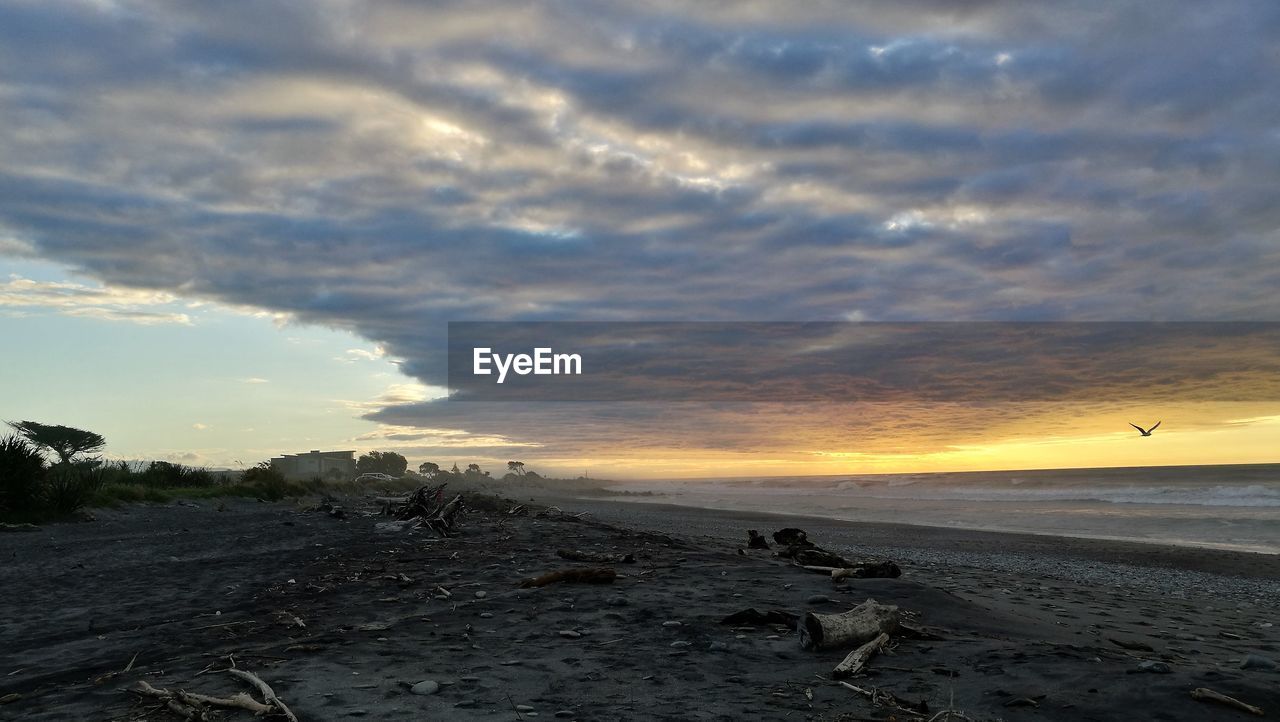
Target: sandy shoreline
point(1033, 626)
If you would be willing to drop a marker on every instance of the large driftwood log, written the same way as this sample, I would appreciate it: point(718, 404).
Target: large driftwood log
point(856, 626)
point(588, 575)
point(859, 657)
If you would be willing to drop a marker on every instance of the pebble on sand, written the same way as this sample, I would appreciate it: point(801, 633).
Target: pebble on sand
point(1152, 666)
point(481, 595)
point(426, 686)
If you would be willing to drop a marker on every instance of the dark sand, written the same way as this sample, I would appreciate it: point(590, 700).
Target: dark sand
point(1025, 618)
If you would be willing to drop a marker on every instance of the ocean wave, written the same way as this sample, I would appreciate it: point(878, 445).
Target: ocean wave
point(1251, 495)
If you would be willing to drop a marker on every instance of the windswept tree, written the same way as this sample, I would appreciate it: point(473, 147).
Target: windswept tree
point(64, 441)
point(382, 462)
point(516, 467)
point(429, 469)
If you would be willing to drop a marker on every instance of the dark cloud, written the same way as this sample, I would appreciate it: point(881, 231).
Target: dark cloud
point(387, 167)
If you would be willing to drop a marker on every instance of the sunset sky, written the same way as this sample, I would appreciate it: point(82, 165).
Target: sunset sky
point(233, 231)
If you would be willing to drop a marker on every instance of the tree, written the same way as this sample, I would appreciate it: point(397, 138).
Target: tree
point(516, 467)
point(429, 469)
point(64, 441)
point(382, 462)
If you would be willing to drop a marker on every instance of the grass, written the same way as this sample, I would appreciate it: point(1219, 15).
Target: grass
point(112, 495)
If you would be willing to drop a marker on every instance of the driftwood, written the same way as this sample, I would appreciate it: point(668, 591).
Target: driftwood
point(814, 558)
point(755, 540)
point(581, 575)
point(595, 557)
point(856, 626)
point(886, 698)
point(427, 505)
point(192, 705)
point(791, 537)
point(268, 694)
point(859, 657)
point(868, 570)
point(859, 570)
point(754, 617)
point(1204, 694)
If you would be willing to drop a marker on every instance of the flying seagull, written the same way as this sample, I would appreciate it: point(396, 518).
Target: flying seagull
point(1144, 432)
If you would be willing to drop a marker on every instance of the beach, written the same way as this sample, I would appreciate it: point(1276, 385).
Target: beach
point(344, 616)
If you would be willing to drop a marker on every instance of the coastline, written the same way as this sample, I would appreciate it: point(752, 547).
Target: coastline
point(1025, 621)
point(880, 537)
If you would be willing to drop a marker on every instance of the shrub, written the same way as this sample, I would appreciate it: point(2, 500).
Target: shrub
point(166, 475)
point(22, 474)
point(70, 486)
point(267, 480)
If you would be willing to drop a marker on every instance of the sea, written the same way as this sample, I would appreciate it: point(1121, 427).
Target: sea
point(1226, 507)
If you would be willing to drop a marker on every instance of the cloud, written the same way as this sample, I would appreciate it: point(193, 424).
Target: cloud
point(392, 166)
point(84, 301)
point(255, 380)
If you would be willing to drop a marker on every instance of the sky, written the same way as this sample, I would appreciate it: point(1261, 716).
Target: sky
point(229, 231)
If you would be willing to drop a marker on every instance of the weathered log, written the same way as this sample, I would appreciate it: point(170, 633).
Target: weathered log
point(755, 540)
point(856, 626)
point(754, 617)
point(868, 570)
point(595, 557)
point(1204, 694)
point(859, 657)
point(583, 575)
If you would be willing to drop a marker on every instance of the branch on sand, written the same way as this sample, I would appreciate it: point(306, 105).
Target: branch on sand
point(1204, 694)
point(195, 706)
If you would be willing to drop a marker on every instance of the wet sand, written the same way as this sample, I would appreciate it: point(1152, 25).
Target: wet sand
point(1033, 627)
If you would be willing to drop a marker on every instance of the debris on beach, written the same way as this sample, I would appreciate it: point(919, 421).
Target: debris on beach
point(755, 540)
point(885, 698)
point(859, 625)
point(1204, 694)
point(196, 706)
point(426, 506)
point(578, 575)
point(811, 557)
point(330, 507)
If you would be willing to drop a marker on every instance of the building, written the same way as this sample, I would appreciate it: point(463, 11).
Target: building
point(316, 463)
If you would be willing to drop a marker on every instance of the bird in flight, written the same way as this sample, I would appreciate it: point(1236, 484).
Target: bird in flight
point(1144, 432)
